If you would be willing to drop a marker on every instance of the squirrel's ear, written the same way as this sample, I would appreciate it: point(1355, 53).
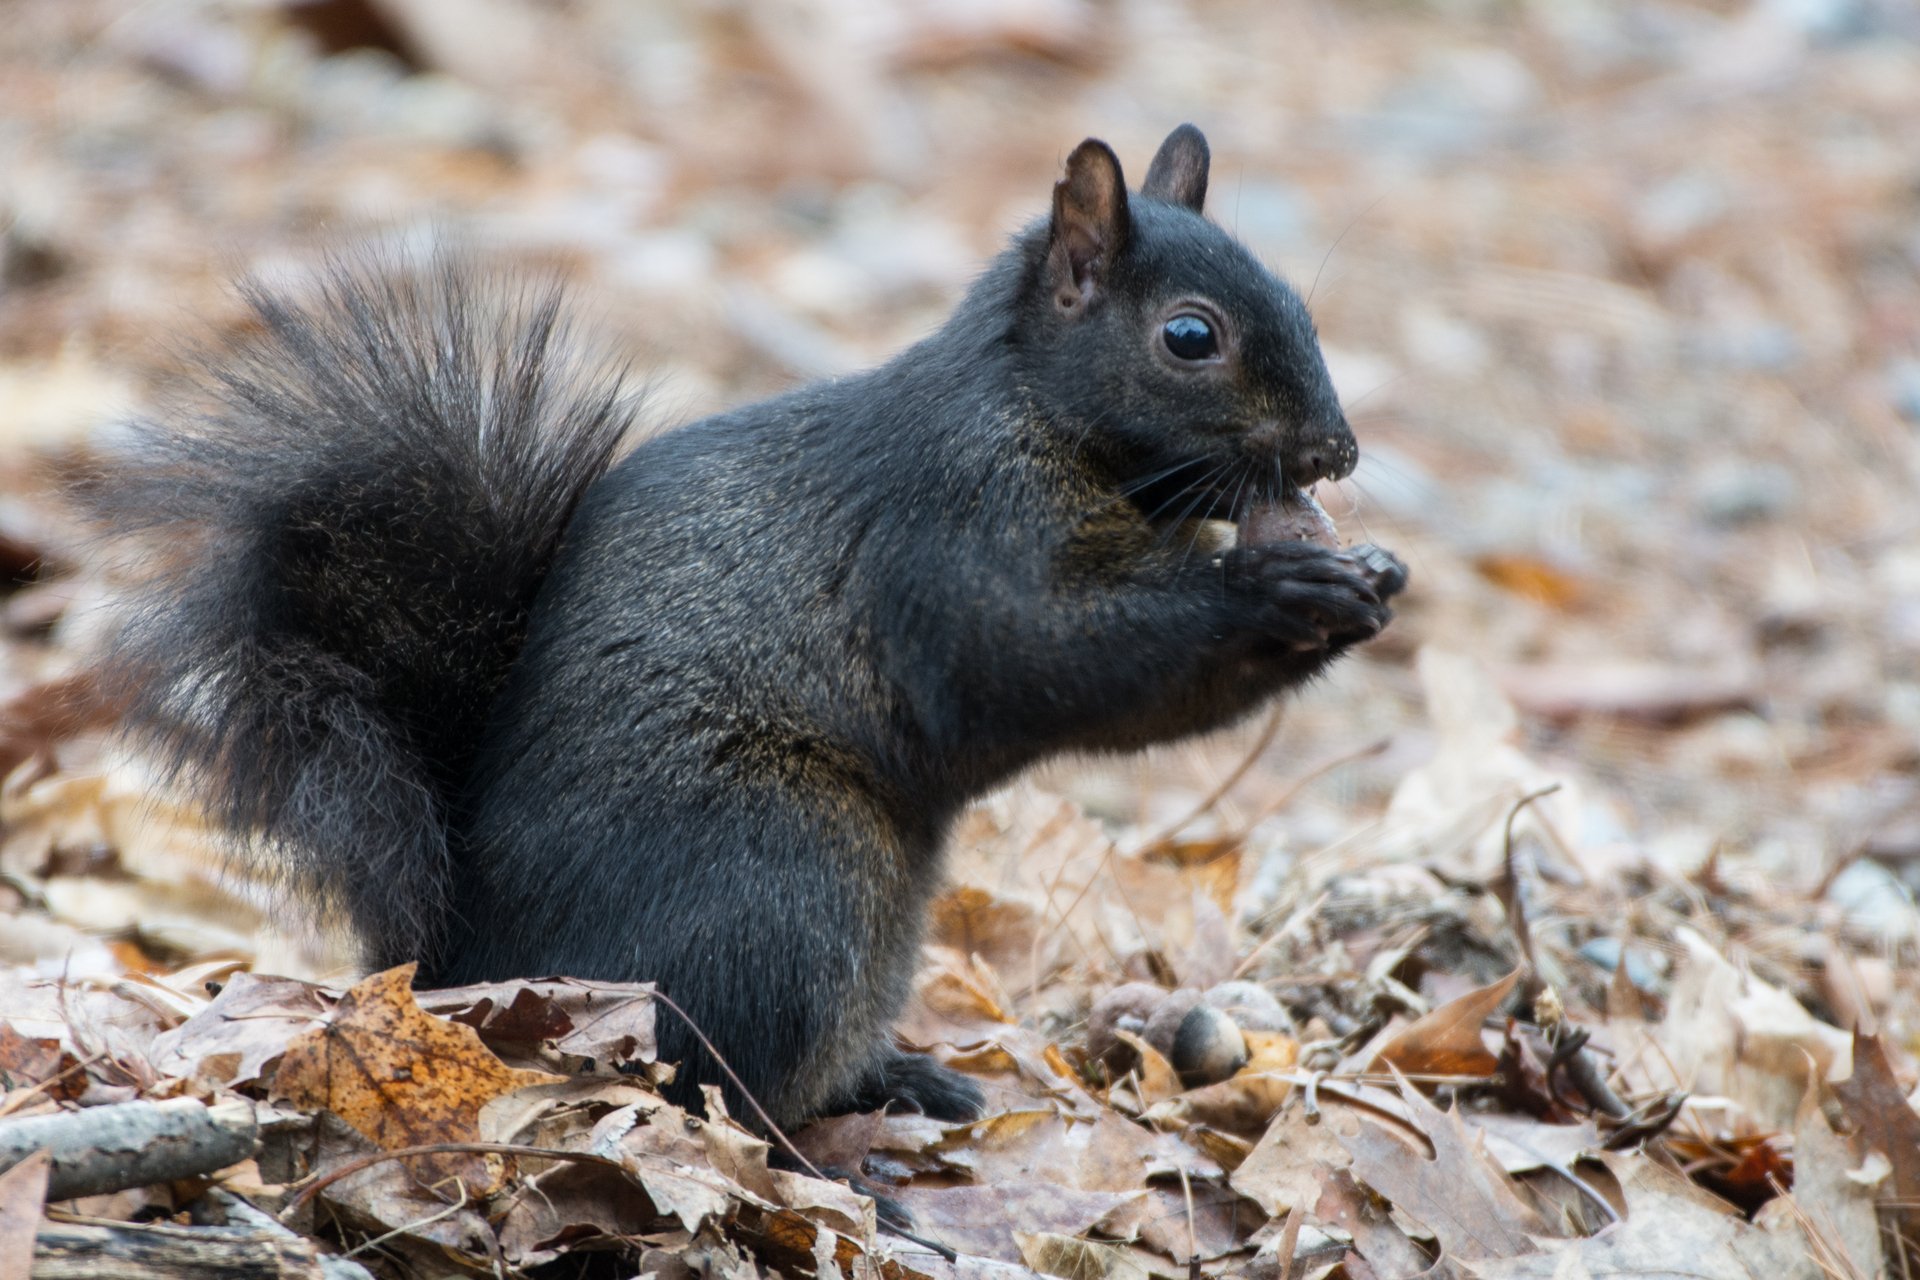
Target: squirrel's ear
point(1090, 224)
point(1179, 169)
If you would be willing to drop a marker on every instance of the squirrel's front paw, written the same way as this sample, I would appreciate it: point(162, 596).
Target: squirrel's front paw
point(1307, 597)
point(1381, 568)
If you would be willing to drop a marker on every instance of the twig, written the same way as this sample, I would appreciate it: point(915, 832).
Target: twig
point(126, 1251)
point(405, 1227)
point(1232, 780)
point(774, 1130)
point(239, 1212)
point(1580, 1184)
point(1193, 1235)
point(1510, 876)
point(1289, 1242)
point(1570, 1053)
point(20, 1097)
point(778, 1135)
point(131, 1144)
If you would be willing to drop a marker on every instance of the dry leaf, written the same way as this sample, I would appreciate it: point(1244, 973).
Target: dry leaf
point(1829, 1205)
point(1672, 1229)
point(1074, 1259)
point(401, 1076)
point(983, 1220)
point(1345, 1204)
point(1450, 1040)
point(237, 1038)
point(1883, 1117)
point(23, 1192)
point(1286, 1167)
point(609, 1022)
point(1461, 1194)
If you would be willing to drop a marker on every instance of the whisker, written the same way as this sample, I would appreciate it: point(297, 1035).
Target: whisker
point(1134, 486)
point(1201, 492)
point(1403, 537)
point(1233, 508)
point(1336, 244)
point(1360, 399)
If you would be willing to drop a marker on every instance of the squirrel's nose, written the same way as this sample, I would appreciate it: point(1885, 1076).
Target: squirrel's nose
point(1324, 455)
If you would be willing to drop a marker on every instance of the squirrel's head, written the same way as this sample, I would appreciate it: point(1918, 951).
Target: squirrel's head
point(1170, 351)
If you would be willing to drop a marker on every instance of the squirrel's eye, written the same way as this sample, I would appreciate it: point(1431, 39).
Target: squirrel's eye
point(1190, 337)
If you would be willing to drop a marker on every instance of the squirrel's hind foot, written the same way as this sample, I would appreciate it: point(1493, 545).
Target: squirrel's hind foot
point(937, 1092)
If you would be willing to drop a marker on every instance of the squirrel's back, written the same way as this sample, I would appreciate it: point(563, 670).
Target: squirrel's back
point(350, 525)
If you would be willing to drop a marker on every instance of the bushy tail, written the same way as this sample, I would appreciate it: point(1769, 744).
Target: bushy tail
point(346, 539)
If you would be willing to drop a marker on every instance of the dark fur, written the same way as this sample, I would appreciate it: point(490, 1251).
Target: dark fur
point(777, 649)
point(347, 535)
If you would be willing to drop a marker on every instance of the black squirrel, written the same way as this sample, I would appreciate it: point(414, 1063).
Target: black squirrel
point(703, 715)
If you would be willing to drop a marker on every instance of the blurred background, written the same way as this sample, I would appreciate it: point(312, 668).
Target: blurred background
point(1623, 297)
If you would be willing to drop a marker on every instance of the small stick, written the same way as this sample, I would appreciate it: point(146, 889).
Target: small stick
point(20, 1097)
point(131, 1144)
point(786, 1144)
point(241, 1213)
point(1232, 780)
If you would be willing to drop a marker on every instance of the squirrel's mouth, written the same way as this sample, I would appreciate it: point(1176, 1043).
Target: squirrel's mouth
point(1238, 514)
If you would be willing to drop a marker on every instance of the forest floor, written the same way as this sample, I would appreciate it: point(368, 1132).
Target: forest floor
point(1569, 928)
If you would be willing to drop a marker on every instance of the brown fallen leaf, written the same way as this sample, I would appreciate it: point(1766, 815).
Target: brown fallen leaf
point(237, 1038)
point(23, 1193)
point(432, 1221)
point(1069, 1256)
point(1153, 1077)
point(1201, 1220)
point(402, 1077)
point(568, 1205)
point(1461, 1195)
point(560, 1115)
point(1287, 1166)
point(1448, 1041)
point(28, 1062)
point(1878, 1108)
point(1729, 1034)
point(609, 1022)
point(1244, 1104)
point(840, 1142)
point(1832, 1205)
point(1105, 1153)
point(1008, 934)
point(983, 1220)
point(1876, 1101)
point(695, 1170)
point(1673, 1229)
point(1345, 1204)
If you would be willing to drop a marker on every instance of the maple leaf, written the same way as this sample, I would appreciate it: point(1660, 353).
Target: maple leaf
point(401, 1076)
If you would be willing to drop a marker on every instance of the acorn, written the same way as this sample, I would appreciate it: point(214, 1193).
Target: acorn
point(1251, 1006)
point(1297, 517)
point(1203, 1043)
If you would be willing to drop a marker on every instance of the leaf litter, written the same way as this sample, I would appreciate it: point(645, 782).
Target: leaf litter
point(1568, 930)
